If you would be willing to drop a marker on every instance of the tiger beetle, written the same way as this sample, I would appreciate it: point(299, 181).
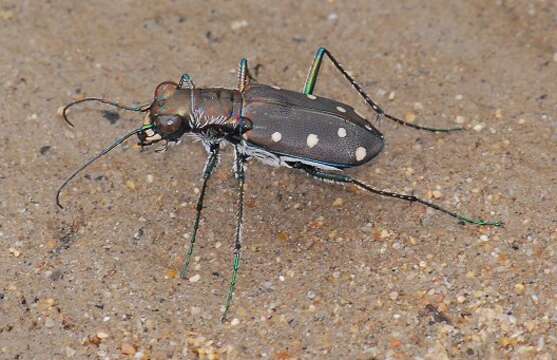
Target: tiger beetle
point(277, 127)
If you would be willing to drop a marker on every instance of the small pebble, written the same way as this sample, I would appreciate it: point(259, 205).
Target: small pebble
point(519, 288)
point(235, 322)
point(102, 335)
point(393, 295)
point(392, 95)
point(460, 119)
point(521, 121)
point(410, 117)
point(310, 295)
point(49, 323)
point(171, 274)
point(460, 299)
point(218, 244)
point(484, 237)
point(498, 113)
point(437, 194)
point(237, 25)
point(150, 178)
point(478, 127)
point(282, 236)
point(130, 185)
point(128, 349)
point(338, 202)
point(459, 97)
point(418, 106)
point(14, 252)
point(332, 17)
point(195, 278)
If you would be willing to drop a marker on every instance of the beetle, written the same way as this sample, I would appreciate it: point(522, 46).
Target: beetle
point(297, 130)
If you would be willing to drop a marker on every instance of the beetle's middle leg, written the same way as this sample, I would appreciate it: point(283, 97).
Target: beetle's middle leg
point(240, 174)
point(345, 179)
point(311, 80)
point(210, 166)
point(244, 76)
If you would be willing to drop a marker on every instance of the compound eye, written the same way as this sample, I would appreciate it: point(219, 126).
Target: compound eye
point(165, 90)
point(168, 124)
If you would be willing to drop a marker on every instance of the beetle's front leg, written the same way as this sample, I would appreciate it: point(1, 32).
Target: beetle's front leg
point(186, 82)
point(345, 179)
point(210, 166)
point(239, 172)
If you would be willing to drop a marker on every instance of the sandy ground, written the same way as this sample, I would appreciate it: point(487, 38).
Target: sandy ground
point(327, 272)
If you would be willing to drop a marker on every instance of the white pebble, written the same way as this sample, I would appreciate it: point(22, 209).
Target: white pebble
point(237, 25)
point(460, 119)
point(195, 278)
point(341, 132)
point(332, 17)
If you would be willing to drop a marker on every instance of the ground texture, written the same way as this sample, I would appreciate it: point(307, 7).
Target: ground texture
point(327, 272)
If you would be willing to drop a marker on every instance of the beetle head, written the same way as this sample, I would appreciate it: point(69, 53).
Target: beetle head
point(168, 115)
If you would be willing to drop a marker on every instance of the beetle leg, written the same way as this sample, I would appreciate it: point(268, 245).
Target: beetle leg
point(311, 80)
point(345, 179)
point(210, 166)
point(244, 76)
point(186, 82)
point(239, 172)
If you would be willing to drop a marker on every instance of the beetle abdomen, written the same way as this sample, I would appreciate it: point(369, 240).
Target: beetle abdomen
point(315, 129)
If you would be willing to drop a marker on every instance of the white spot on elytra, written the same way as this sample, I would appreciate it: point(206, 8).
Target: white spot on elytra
point(360, 153)
point(312, 97)
point(341, 109)
point(341, 132)
point(276, 136)
point(312, 140)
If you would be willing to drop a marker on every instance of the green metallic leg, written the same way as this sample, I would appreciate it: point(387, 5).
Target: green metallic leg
point(345, 179)
point(244, 76)
point(239, 172)
point(311, 81)
point(210, 166)
point(186, 82)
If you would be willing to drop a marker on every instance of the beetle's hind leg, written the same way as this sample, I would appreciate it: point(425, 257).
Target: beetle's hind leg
point(239, 172)
point(345, 179)
point(244, 76)
point(311, 80)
